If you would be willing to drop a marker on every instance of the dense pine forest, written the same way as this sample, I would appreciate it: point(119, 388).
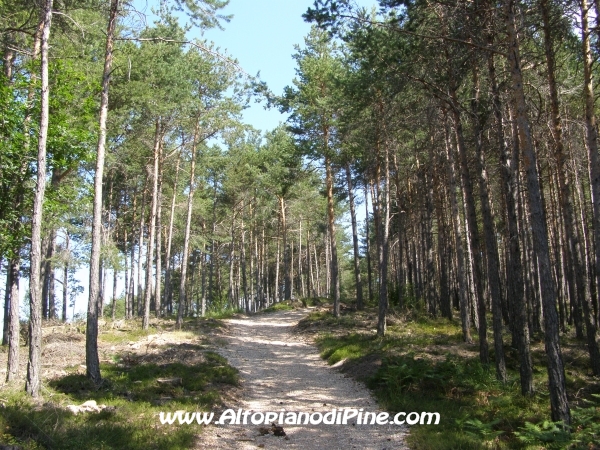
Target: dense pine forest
point(439, 157)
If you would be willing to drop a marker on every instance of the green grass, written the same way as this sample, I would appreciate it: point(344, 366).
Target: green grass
point(282, 306)
point(315, 301)
point(426, 367)
point(223, 314)
point(132, 390)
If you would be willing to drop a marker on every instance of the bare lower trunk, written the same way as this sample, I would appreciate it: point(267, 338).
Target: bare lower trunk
point(246, 300)
point(14, 326)
point(383, 258)
point(335, 281)
point(558, 396)
point(6, 306)
point(65, 292)
point(456, 225)
point(359, 296)
point(287, 278)
point(152, 224)
point(113, 312)
point(158, 282)
point(168, 267)
point(32, 384)
point(491, 246)
point(594, 173)
point(472, 238)
point(277, 258)
point(188, 224)
point(91, 344)
point(368, 244)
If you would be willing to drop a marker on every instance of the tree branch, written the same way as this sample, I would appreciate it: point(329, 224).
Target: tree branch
point(195, 44)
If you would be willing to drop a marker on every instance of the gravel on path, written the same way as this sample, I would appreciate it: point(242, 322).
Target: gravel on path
point(281, 370)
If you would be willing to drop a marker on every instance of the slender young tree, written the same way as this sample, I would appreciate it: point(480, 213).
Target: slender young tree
point(33, 382)
point(91, 344)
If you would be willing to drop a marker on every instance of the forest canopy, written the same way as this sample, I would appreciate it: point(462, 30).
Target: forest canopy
point(459, 138)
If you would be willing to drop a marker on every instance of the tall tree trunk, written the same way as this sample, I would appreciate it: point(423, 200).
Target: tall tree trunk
point(509, 169)
point(6, 306)
point(14, 326)
point(188, 225)
point(91, 343)
point(558, 395)
point(231, 287)
point(287, 277)
point(491, 246)
point(384, 224)
point(203, 266)
point(442, 243)
point(168, 266)
point(594, 171)
point(359, 295)
point(158, 281)
point(591, 132)
point(212, 245)
point(368, 243)
point(472, 234)
point(138, 302)
point(457, 226)
point(335, 281)
point(65, 291)
point(114, 294)
point(158, 136)
point(243, 266)
point(302, 291)
point(277, 258)
point(33, 382)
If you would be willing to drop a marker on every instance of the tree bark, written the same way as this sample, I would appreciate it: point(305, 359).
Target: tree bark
point(33, 382)
point(287, 277)
point(472, 235)
point(456, 225)
point(558, 395)
point(594, 174)
point(158, 136)
point(384, 225)
point(491, 246)
point(368, 244)
point(14, 326)
point(91, 345)
point(188, 224)
point(6, 306)
point(168, 267)
point(359, 294)
point(157, 298)
point(335, 281)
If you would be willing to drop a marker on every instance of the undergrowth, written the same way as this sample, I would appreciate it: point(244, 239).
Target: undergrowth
point(135, 389)
point(283, 306)
point(424, 366)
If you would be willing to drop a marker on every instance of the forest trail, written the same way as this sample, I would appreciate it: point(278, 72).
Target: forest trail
point(281, 370)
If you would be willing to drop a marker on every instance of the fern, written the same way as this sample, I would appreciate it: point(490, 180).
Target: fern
point(550, 433)
point(480, 430)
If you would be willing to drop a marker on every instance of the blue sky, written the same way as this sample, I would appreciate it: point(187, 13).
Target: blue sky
point(261, 36)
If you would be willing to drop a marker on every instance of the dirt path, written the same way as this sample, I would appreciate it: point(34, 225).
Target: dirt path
point(279, 371)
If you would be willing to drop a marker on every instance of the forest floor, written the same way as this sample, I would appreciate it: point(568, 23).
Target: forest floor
point(268, 362)
point(281, 369)
point(422, 364)
point(144, 372)
point(256, 363)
